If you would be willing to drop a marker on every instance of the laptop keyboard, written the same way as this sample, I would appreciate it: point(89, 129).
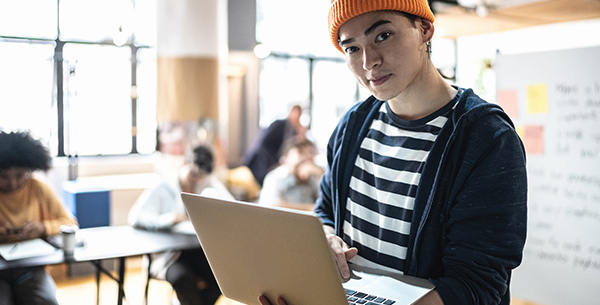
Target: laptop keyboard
point(361, 298)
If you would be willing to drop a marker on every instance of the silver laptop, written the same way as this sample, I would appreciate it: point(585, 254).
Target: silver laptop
point(256, 250)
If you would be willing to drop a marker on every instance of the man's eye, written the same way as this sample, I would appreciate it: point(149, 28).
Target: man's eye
point(383, 36)
point(350, 50)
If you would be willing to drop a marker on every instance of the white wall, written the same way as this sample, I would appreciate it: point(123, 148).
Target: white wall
point(472, 50)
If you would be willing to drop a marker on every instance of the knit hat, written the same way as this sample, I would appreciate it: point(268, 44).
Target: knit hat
point(341, 11)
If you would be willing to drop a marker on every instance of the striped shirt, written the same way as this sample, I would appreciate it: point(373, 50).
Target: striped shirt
point(383, 186)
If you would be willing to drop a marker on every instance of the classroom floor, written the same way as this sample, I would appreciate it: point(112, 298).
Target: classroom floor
point(82, 289)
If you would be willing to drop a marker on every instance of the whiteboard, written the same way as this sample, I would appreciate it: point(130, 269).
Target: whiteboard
point(554, 101)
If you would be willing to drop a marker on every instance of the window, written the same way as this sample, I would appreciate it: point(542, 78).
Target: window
point(284, 82)
point(303, 68)
point(146, 101)
point(97, 103)
point(84, 82)
point(26, 88)
point(28, 18)
point(331, 99)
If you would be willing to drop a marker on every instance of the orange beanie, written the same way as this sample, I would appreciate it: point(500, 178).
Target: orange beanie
point(341, 11)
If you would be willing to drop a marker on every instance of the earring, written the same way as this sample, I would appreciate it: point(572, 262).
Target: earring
point(429, 49)
point(428, 57)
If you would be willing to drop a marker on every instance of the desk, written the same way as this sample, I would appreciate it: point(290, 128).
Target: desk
point(113, 242)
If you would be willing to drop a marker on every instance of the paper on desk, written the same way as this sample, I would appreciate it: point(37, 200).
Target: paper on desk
point(25, 249)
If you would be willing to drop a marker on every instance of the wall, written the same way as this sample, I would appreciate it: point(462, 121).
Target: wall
point(554, 99)
point(473, 50)
point(560, 264)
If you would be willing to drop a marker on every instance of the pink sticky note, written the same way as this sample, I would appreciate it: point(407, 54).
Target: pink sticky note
point(507, 99)
point(533, 139)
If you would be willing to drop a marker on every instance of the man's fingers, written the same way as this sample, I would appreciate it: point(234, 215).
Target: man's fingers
point(350, 253)
point(342, 254)
point(342, 264)
point(263, 300)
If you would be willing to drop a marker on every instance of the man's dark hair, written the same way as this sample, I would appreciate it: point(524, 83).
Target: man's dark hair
point(298, 143)
point(411, 17)
point(20, 149)
point(203, 158)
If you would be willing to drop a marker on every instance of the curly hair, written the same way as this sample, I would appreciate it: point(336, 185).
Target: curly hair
point(20, 149)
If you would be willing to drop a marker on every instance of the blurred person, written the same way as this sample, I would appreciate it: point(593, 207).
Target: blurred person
point(295, 182)
point(161, 208)
point(264, 155)
point(29, 209)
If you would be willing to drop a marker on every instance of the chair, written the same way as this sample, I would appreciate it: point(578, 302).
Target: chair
point(146, 263)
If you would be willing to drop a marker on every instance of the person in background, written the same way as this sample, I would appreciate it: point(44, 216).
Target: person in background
point(424, 178)
point(161, 208)
point(264, 155)
point(29, 209)
point(294, 183)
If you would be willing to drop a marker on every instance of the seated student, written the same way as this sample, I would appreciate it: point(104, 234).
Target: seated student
point(161, 208)
point(295, 182)
point(29, 209)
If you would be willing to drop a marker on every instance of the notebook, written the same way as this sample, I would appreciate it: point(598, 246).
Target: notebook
point(257, 250)
point(26, 249)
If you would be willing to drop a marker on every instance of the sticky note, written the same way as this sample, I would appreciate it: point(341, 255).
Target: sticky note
point(520, 131)
point(533, 139)
point(537, 98)
point(507, 99)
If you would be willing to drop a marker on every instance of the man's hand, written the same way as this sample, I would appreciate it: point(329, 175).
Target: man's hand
point(306, 169)
point(341, 252)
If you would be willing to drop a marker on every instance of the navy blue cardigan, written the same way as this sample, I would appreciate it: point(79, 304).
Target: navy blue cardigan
point(470, 214)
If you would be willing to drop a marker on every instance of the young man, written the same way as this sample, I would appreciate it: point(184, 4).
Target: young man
point(423, 178)
point(161, 208)
point(29, 209)
point(295, 182)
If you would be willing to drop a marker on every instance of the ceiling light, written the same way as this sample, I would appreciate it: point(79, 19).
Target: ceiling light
point(470, 3)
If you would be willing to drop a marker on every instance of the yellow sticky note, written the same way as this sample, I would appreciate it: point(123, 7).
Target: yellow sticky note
point(520, 131)
point(537, 98)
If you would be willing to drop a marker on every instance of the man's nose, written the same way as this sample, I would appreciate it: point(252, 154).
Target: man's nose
point(371, 58)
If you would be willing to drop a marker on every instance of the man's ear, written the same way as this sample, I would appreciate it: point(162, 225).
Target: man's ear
point(427, 29)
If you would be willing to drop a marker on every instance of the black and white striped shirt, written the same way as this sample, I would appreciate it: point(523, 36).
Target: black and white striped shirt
point(383, 186)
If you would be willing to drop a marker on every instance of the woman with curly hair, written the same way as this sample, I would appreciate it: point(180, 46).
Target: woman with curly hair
point(29, 209)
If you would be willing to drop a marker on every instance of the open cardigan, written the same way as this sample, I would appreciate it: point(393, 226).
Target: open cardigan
point(469, 220)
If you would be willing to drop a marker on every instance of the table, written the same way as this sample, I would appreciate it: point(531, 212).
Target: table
point(111, 242)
